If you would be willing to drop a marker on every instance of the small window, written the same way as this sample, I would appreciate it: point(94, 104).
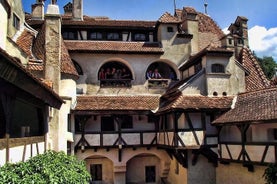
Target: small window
point(96, 172)
point(107, 124)
point(230, 41)
point(69, 35)
point(16, 22)
point(127, 122)
point(113, 36)
point(139, 37)
point(96, 36)
point(215, 94)
point(150, 174)
point(218, 68)
point(151, 118)
point(170, 29)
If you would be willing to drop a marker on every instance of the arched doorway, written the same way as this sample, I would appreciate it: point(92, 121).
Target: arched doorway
point(143, 168)
point(114, 74)
point(100, 169)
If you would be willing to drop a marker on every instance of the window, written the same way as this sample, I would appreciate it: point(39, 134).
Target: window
point(140, 37)
point(113, 36)
point(170, 29)
point(150, 174)
point(96, 36)
point(107, 124)
point(218, 68)
point(96, 172)
point(151, 118)
point(16, 22)
point(127, 122)
point(69, 35)
point(230, 41)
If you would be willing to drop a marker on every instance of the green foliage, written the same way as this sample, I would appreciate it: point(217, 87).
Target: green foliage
point(270, 174)
point(48, 168)
point(268, 66)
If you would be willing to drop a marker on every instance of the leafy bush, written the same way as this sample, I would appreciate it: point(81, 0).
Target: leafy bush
point(48, 168)
point(270, 174)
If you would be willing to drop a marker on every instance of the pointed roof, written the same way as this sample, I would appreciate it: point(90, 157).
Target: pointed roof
point(67, 66)
point(169, 19)
point(256, 79)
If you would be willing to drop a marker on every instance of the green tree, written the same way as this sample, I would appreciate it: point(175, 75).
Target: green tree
point(268, 66)
point(48, 168)
point(270, 174)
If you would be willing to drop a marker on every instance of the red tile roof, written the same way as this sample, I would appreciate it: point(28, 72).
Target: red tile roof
point(113, 46)
point(168, 18)
point(43, 91)
point(197, 102)
point(94, 21)
point(67, 66)
point(256, 79)
point(25, 42)
point(252, 107)
point(106, 103)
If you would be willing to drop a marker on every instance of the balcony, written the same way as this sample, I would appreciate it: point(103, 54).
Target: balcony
point(92, 139)
point(158, 83)
point(117, 83)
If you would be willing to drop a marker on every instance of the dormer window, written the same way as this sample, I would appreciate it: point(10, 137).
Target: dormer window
point(113, 36)
point(69, 35)
point(96, 36)
point(218, 68)
point(140, 37)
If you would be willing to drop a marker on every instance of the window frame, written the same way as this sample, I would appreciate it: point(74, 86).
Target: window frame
point(217, 68)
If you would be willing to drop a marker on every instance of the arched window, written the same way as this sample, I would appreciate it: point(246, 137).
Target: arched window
point(218, 68)
point(114, 74)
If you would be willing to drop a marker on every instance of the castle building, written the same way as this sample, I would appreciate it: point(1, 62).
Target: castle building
point(152, 101)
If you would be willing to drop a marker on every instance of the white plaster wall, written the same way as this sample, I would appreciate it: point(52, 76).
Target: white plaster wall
point(230, 133)
point(2, 157)
point(175, 177)
point(263, 132)
point(203, 172)
point(136, 168)
point(4, 27)
point(107, 168)
point(236, 173)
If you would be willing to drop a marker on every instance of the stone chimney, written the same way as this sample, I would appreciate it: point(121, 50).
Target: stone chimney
point(78, 9)
point(52, 71)
point(68, 9)
point(38, 10)
point(190, 25)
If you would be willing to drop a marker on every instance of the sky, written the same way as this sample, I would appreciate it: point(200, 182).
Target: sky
point(261, 14)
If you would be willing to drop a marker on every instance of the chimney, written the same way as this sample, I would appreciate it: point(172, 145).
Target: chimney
point(78, 9)
point(190, 25)
point(68, 9)
point(52, 68)
point(38, 10)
